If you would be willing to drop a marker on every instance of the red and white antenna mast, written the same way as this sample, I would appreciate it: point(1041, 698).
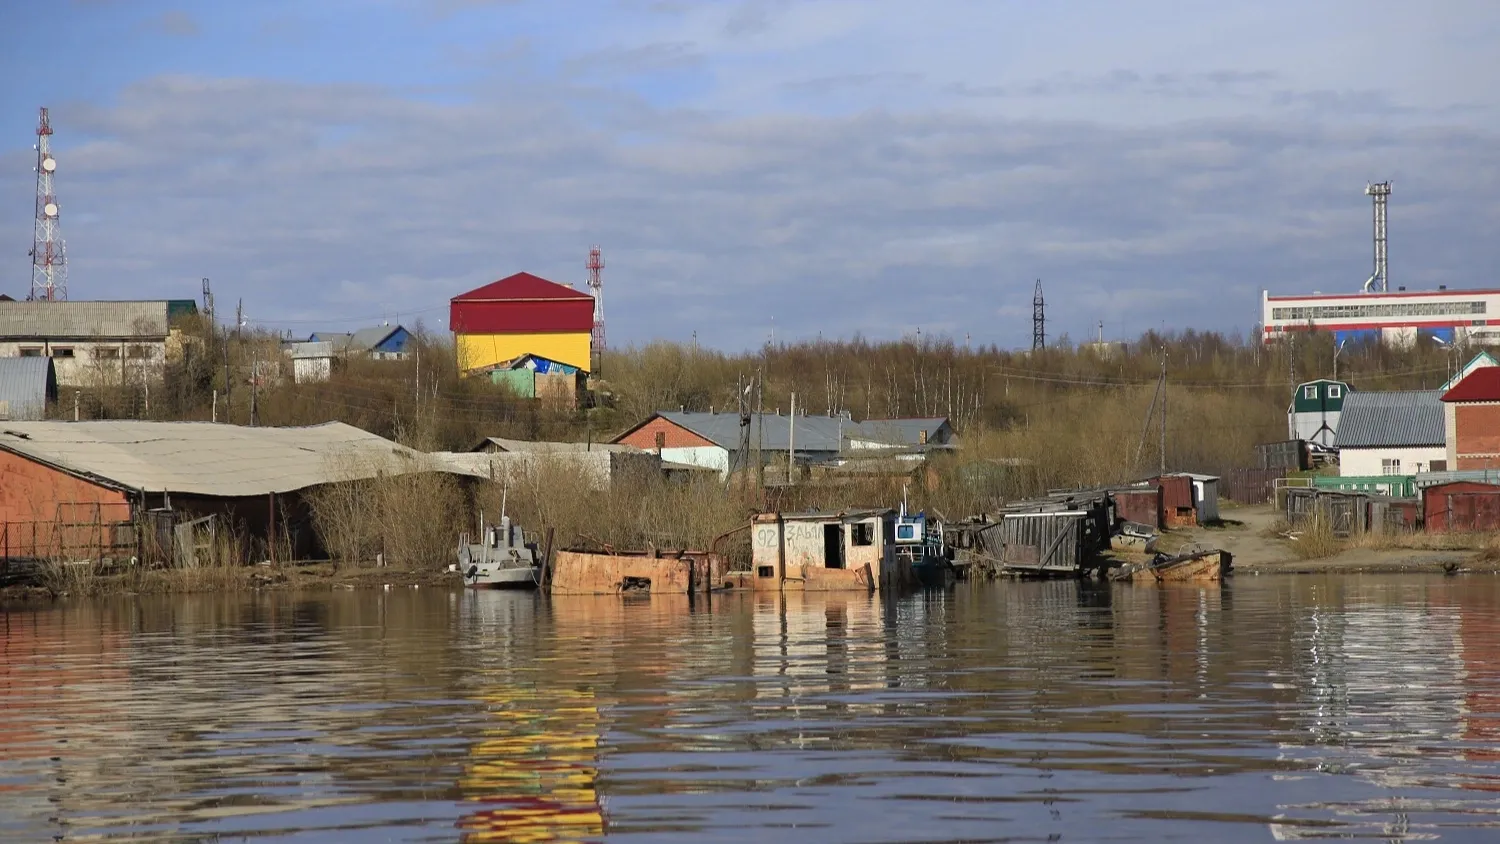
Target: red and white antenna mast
point(596, 287)
point(49, 257)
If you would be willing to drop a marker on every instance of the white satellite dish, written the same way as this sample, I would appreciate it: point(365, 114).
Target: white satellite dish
point(49, 164)
point(50, 209)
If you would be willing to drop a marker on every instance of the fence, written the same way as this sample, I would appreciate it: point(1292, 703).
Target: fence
point(1251, 486)
point(96, 539)
point(1345, 513)
point(1395, 486)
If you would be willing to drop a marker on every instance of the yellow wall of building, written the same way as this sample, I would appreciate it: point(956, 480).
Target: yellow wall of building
point(476, 351)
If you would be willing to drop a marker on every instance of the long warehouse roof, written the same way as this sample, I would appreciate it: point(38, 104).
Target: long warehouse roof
point(204, 458)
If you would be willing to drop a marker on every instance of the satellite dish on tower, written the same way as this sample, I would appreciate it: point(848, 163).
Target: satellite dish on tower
point(49, 164)
point(50, 209)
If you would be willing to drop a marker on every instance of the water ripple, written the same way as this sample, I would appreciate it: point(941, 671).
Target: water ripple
point(1278, 709)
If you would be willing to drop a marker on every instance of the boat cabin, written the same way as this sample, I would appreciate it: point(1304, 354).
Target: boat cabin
point(850, 549)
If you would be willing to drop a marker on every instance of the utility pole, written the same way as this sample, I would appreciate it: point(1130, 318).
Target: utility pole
point(791, 442)
point(1164, 410)
point(255, 388)
point(760, 430)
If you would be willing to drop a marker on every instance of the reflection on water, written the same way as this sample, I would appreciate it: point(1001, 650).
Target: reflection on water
point(1281, 708)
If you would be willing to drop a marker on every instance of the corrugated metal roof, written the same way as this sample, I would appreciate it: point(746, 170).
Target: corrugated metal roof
point(529, 446)
point(898, 431)
point(203, 458)
point(1399, 419)
point(1483, 384)
point(25, 386)
point(813, 433)
point(1424, 480)
point(366, 339)
point(311, 349)
point(521, 286)
point(82, 320)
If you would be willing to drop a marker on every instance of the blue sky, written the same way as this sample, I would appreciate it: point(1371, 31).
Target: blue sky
point(822, 167)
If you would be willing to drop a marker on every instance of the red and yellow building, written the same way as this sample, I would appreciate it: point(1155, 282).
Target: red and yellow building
point(522, 314)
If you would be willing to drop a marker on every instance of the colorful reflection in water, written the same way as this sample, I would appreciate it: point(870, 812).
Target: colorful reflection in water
point(533, 773)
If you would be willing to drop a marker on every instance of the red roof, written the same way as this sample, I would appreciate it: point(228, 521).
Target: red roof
point(1483, 384)
point(521, 287)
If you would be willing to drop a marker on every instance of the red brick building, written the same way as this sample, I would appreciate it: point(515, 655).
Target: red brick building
point(1471, 418)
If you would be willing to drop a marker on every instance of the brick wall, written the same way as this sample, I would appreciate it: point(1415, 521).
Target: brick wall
point(673, 436)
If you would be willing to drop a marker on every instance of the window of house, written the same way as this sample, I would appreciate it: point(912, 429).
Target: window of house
point(1390, 466)
point(62, 351)
point(862, 533)
point(31, 351)
point(1334, 391)
point(139, 352)
point(1310, 392)
point(107, 353)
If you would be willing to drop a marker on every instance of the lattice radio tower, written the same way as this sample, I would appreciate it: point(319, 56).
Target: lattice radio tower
point(1378, 192)
point(49, 257)
point(596, 288)
point(1038, 319)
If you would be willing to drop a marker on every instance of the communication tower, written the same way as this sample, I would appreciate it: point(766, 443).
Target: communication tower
point(1378, 192)
point(596, 288)
point(49, 256)
point(1038, 319)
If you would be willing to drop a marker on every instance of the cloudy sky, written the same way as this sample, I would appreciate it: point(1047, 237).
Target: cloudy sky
point(789, 166)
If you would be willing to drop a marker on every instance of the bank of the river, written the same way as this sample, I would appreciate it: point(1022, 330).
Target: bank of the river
point(1248, 534)
point(300, 576)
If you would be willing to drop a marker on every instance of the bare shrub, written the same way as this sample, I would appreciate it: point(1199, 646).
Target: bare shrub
point(420, 517)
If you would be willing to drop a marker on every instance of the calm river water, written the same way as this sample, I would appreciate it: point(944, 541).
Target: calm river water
point(1280, 708)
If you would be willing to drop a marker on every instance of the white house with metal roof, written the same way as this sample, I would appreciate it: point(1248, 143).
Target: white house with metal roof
point(94, 343)
point(1391, 433)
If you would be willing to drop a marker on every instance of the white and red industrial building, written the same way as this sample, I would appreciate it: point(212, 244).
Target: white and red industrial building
point(1400, 317)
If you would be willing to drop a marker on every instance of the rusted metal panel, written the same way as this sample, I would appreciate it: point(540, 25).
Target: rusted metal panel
point(1461, 506)
point(1141, 505)
point(1177, 501)
point(1394, 515)
point(1252, 486)
point(849, 550)
point(589, 573)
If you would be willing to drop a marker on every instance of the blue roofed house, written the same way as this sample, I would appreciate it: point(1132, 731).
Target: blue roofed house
point(379, 342)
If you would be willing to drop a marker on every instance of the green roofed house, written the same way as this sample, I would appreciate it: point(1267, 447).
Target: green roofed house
point(1314, 412)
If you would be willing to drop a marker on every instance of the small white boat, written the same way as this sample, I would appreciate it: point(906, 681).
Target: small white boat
point(503, 559)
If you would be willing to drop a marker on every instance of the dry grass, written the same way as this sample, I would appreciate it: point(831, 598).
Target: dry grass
point(405, 519)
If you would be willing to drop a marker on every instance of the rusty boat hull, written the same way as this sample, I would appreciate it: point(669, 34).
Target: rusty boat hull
point(1198, 567)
